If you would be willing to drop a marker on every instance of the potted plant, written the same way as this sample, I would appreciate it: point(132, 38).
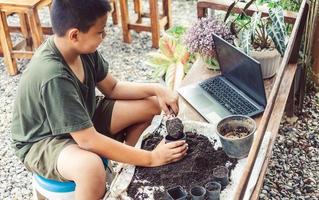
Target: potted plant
point(199, 39)
point(263, 38)
point(171, 60)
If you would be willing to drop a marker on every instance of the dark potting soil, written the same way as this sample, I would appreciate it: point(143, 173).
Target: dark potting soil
point(238, 132)
point(175, 128)
point(196, 168)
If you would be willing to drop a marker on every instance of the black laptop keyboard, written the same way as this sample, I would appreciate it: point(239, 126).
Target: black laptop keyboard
point(228, 97)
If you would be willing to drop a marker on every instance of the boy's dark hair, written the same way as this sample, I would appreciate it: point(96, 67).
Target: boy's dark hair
point(80, 14)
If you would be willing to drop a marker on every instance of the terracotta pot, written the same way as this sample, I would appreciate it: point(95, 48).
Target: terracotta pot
point(269, 61)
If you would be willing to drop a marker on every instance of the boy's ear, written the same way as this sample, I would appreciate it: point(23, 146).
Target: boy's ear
point(73, 34)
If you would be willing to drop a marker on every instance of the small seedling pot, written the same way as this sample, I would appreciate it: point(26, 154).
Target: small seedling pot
point(235, 145)
point(213, 190)
point(169, 139)
point(176, 193)
point(197, 193)
point(220, 175)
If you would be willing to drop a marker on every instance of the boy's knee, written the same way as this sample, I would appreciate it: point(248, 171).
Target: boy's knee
point(92, 166)
point(155, 107)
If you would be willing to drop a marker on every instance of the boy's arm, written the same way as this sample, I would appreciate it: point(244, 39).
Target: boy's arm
point(126, 90)
point(89, 139)
point(114, 89)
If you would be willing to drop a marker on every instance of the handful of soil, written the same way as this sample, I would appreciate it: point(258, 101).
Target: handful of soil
point(175, 128)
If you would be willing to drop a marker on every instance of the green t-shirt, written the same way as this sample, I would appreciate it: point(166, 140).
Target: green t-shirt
point(51, 100)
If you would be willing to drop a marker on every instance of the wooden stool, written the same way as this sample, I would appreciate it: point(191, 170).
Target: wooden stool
point(157, 21)
point(30, 27)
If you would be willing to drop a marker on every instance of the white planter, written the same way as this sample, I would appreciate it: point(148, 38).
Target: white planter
point(269, 61)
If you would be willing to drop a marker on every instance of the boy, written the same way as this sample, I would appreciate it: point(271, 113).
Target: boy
point(59, 130)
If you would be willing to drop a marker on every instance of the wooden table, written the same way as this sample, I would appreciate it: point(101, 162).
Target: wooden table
point(279, 92)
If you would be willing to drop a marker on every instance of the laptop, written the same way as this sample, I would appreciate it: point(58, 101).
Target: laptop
point(239, 89)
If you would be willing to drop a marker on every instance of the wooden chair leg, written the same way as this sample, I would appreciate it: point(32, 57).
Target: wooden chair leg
point(155, 27)
point(138, 10)
point(125, 20)
point(26, 30)
point(115, 13)
point(6, 44)
point(35, 26)
point(167, 12)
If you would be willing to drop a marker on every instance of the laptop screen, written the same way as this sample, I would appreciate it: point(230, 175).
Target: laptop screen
point(240, 69)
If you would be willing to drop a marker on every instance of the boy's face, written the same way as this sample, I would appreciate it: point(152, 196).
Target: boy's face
point(88, 42)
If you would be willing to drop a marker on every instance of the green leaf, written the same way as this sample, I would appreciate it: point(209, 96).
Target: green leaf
point(248, 5)
point(255, 20)
point(167, 45)
point(277, 17)
point(245, 40)
point(156, 59)
point(277, 30)
point(174, 75)
point(229, 10)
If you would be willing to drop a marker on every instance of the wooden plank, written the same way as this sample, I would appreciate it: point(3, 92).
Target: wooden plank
point(274, 123)
point(35, 27)
point(241, 189)
point(46, 30)
point(22, 54)
point(154, 23)
point(139, 27)
point(115, 12)
point(138, 10)
point(6, 45)
point(202, 6)
point(167, 12)
point(18, 3)
point(125, 21)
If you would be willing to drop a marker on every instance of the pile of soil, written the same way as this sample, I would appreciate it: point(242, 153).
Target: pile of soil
point(196, 168)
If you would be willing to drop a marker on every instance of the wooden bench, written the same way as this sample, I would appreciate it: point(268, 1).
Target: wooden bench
point(279, 90)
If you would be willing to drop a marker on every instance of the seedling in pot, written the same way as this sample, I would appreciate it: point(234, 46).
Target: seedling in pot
point(213, 190)
point(176, 193)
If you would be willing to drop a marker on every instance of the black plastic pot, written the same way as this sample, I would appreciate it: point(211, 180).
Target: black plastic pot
point(213, 190)
point(169, 139)
point(236, 147)
point(220, 175)
point(197, 193)
point(176, 193)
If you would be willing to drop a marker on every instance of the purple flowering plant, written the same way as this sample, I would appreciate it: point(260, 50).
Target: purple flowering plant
point(199, 40)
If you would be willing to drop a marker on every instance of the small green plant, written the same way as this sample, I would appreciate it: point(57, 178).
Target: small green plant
point(171, 60)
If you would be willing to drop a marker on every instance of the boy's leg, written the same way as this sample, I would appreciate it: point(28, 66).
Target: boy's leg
point(85, 169)
point(134, 116)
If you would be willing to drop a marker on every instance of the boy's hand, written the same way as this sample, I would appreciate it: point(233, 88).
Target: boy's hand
point(167, 153)
point(168, 100)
